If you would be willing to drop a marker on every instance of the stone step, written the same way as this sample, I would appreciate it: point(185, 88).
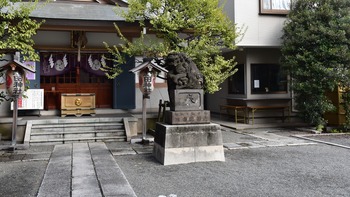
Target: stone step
point(78, 120)
point(44, 136)
point(77, 130)
point(71, 125)
point(114, 131)
point(80, 139)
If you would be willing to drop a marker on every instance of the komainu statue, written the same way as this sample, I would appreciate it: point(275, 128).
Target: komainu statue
point(183, 72)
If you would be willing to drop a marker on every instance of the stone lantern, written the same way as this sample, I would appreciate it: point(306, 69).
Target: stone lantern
point(147, 73)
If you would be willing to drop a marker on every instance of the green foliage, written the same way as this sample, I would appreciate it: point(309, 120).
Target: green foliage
point(198, 28)
point(335, 131)
point(316, 53)
point(17, 28)
point(346, 106)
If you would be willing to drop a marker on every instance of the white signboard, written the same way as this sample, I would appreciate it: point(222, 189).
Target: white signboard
point(256, 84)
point(34, 100)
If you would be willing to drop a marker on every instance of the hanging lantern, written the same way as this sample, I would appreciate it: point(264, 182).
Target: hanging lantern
point(147, 78)
point(15, 83)
point(15, 80)
point(147, 73)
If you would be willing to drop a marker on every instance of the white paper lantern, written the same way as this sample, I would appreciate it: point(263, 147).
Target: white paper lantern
point(15, 80)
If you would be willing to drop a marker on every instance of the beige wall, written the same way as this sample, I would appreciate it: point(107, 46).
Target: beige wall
point(262, 30)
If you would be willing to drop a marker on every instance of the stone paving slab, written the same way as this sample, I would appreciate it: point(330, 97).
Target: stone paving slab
point(122, 151)
point(262, 144)
point(112, 180)
point(84, 169)
point(57, 179)
point(232, 146)
point(144, 150)
point(84, 180)
point(243, 145)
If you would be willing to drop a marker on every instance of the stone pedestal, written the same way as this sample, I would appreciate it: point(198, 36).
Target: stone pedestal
point(187, 117)
point(186, 99)
point(179, 144)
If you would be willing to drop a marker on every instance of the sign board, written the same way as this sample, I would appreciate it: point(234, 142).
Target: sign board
point(34, 100)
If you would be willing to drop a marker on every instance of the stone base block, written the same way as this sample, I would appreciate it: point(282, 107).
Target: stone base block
point(187, 117)
point(180, 144)
point(172, 156)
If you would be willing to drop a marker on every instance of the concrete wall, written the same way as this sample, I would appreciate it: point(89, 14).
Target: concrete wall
point(6, 129)
point(5, 108)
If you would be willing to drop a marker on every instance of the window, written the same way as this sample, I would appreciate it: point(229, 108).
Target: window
point(275, 6)
point(236, 81)
point(268, 79)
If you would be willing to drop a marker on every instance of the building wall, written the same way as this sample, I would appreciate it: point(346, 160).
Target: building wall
point(261, 30)
point(63, 39)
point(260, 44)
point(247, 57)
point(261, 56)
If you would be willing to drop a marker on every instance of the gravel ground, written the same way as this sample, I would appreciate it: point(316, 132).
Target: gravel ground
point(19, 179)
point(314, 170)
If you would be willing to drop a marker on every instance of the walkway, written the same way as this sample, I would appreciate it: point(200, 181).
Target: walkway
point(83, 169)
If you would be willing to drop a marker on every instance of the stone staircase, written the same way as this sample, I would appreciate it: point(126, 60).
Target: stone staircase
point(70, 130)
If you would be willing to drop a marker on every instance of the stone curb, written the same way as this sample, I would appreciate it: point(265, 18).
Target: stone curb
point(305, 137)
point(258, 144)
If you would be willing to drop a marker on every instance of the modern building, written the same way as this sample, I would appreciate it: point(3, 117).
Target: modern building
point(259, 83)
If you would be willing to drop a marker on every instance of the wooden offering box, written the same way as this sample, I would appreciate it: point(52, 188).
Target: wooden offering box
point(78, 104)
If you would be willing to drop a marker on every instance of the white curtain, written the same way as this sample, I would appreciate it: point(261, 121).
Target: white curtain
point(276, 4)
point(267, 4)
point(280, 4)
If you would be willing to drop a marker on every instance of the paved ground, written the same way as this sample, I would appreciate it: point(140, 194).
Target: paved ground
point(259, 162)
